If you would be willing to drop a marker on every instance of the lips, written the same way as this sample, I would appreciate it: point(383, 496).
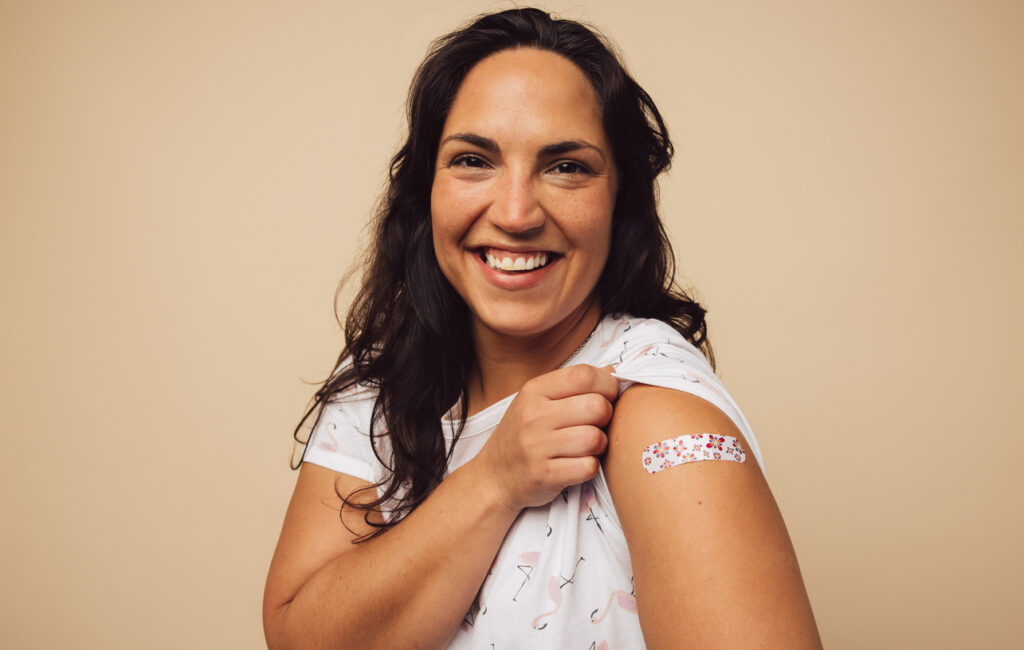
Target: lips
point(515, 262)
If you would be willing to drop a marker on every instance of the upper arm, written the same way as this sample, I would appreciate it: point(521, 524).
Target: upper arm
point(316, 530)
point(713, 564)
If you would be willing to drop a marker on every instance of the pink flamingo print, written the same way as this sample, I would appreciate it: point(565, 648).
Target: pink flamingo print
point(587, 498)
point(587, 502)
point(529, 559)
point(626, 602)
point(555, 594)
point(328, 442)
point(621, 327)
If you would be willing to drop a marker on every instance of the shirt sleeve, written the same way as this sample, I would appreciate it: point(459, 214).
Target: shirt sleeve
point(658, 355)
point(653, 353)
point(341, 440)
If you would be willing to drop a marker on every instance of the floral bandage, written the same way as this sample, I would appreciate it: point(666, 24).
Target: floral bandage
point(690, 449)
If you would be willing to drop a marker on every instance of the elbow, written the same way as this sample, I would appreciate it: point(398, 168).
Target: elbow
point(274, 628)
point(287, 628)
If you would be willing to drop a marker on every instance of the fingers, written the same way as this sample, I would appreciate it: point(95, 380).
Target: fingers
point(544, 483)
point(577, 380)
point(551, 435)
point(590, 408)
point(573, 442)
point(573, 471)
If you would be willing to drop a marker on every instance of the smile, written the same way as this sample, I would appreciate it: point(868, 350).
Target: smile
point(510, 262)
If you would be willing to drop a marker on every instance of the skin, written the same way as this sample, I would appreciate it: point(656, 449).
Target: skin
point(524, 166)
point(713, 564)
point(507, 180)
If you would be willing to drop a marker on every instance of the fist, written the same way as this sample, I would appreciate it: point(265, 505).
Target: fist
point(551, 436)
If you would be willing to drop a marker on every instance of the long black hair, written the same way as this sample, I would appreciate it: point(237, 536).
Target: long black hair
point(407, 330)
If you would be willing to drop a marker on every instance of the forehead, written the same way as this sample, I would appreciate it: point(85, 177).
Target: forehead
point(525, 89)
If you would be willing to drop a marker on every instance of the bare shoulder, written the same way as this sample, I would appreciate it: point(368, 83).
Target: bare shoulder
point(706, 538)
point(732, 495)
point(648, 415)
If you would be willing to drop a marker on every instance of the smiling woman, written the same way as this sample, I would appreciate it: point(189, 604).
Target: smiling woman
point(524, 175)
point(479, 469)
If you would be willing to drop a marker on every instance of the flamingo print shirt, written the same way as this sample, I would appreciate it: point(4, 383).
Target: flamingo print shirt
point(562, 577)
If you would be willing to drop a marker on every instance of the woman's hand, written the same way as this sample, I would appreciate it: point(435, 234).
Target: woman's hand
point(551, 436)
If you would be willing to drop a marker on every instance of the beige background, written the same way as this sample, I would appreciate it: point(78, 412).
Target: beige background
point(183, 183)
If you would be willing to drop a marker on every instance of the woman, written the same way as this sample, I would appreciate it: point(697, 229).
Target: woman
point(517, 353)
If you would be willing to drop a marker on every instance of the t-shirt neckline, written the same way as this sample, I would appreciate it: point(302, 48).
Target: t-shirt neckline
point(485, 420)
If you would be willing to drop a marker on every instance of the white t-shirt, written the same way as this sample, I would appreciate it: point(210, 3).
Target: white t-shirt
point(562, 577)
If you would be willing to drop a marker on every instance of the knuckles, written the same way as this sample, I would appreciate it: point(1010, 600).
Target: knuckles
point(597, 408)
point(580, 377)
point(589, 466)
point(593, 441)
point(534, 422)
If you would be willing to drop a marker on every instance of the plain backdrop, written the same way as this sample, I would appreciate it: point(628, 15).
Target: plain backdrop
point(182, 185)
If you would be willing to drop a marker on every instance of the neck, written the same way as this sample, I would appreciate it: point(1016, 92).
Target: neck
point(505, 362)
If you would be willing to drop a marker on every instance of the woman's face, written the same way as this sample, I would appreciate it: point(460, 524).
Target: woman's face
point(523, 192)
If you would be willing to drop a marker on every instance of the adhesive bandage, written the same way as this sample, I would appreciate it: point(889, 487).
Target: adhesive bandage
point(690, 449)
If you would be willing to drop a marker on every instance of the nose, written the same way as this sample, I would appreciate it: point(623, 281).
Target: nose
point(516, 208)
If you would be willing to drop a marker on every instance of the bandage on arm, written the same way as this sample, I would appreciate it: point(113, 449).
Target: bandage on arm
point(707, 540)
point(690, 449)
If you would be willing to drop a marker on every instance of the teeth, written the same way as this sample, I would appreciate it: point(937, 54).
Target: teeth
point(517, 264)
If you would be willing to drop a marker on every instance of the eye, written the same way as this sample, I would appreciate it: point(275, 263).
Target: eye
point(570, 167)
point(469, 160)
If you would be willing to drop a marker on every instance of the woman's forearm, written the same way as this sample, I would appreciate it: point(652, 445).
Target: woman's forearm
point(409, 587)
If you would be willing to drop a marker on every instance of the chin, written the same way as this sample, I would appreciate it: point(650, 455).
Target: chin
point(516, 328)
point(510, 319)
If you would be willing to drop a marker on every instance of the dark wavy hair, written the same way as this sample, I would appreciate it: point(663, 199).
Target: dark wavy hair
point(407, 332)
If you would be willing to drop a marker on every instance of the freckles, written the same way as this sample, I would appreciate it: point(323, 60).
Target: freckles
point(442, 206)
point(589, 218)
point(453, 195)
point(453, 215)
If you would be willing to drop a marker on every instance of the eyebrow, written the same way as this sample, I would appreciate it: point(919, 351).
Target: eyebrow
point(476, 140)
point(550, 150)
point(568, 146)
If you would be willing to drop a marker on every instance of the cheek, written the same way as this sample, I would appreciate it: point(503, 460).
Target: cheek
point(441, 216)
point(593, 228)
point(600, 240)
point(450, 210)
point(448, 226)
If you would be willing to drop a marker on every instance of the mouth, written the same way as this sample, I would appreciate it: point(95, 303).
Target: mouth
point(512, 262)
